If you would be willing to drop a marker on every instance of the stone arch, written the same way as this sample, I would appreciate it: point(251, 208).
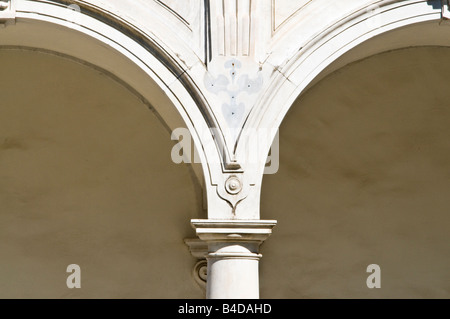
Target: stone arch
point(344, 33)
point(110, 41)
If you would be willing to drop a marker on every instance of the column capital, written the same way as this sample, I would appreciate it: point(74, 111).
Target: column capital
point(232, 255)
point(234, 230)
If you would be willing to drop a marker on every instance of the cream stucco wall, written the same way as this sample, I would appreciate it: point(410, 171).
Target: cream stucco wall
point(364, 178)
point(86, 178)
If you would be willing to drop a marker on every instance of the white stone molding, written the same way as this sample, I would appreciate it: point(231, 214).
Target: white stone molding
point(7, 12)
point(232, 27)
point(197, 247)
point(445, 10)
point(284, 10)
point(199, 250)
point(213, 230)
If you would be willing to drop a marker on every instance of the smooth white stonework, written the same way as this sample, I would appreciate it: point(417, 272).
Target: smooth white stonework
point(233, 276)
point(233, 256)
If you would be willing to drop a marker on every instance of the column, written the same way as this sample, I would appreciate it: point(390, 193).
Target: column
point(233, 256)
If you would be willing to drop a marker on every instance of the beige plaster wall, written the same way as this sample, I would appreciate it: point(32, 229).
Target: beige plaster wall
point(364, 178)
point(86, 178)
